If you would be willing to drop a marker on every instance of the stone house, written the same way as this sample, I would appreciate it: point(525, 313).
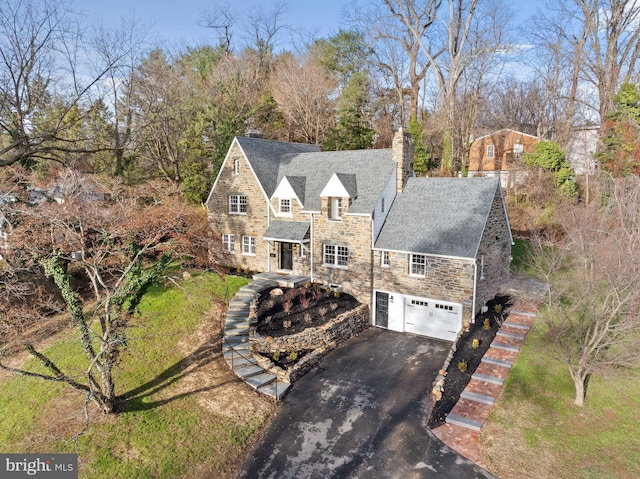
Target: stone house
point(335, 217)
point(501, 154)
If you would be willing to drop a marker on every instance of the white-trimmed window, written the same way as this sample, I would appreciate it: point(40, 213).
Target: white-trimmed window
point(228, 242)
point(335, 208)
point(284, 206)
point(237, 204)
point(336, 256)
point(384, 259)
point(491, 149)
point(518, 150)
point(236, 167)
point(417, 265)
point(249, 245)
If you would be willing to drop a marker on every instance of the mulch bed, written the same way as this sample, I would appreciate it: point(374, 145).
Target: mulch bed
point(456, 380)
point(275, 321)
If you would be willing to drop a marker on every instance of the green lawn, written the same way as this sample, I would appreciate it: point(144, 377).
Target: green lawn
point(535, 431)
point(161, 434)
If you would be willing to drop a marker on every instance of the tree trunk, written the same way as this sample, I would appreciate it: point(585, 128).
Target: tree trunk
point(580, 381)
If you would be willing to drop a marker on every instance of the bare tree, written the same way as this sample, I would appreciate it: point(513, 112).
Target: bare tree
point(468, 31)
point(121, 245)
point(302, 88)
point(48, 81)
point(395, 47)
point(595, 276)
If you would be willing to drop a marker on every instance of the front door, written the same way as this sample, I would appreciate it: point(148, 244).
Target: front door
point(286, 256)
point(382, 309)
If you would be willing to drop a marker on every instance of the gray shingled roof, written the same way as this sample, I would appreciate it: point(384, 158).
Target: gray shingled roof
point(272, 160)
point(439, 216)
point(265, 157)
point(370, 167)
point(280, 230)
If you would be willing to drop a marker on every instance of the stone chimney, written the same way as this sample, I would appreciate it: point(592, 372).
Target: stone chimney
point(403, 156)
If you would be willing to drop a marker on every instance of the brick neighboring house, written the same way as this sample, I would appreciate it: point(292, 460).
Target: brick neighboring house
point(501, 154)
point(332, 216)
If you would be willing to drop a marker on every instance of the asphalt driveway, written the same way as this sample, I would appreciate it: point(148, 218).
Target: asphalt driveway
point(361, 413)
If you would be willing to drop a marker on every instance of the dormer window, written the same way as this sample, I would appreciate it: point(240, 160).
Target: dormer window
point(335, 208)
point(285, 205)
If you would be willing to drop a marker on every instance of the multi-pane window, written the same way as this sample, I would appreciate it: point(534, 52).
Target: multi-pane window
point(417, 264)
point(248, 245)
point(335, 208)
point(285, 205)
point(228, 242)
point(518, 150)
point(384, 259)
point(237, 204)
point(336, 255)
point(490, 151)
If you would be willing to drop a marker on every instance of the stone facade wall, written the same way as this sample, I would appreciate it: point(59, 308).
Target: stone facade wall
point(315, 341)
point(353, 232)
point(253, 223)
point(446, 279)
point(494, 253)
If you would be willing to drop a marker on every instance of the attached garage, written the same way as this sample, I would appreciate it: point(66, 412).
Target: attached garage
point(423, 316)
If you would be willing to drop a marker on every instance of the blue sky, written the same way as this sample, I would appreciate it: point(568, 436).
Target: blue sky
point(175, 22)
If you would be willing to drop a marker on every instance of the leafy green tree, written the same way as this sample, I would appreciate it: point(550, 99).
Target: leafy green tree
point(620, 155)
point(344, 54)
point(420, 154)
point(549, 156)
point(352, 132)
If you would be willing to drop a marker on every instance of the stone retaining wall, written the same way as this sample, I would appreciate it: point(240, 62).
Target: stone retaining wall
point(316, 342)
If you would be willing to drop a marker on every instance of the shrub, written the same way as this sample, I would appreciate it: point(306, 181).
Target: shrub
point(307, 318)
point(462, 366)
point(323, 311)
point(290, 294)
point(486, 324)
point(286, 306)
point(333, 306)
point(305, 301)
point(475, 343)
point(497, 308)
point(293, 356)
point(276, 356)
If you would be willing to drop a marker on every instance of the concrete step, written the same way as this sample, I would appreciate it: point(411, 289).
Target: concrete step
point(236, 330)
point(276, 389)
point(523, 327)
point(248, 370)
point(524, 313)
point(235, 340)
point(481, 398)
point(260, 380)
point(464, 422)
point(238, 351)
point(496, 362)
point(505, 347)
point(236, 361)
point(488, 379)
point(507, 334)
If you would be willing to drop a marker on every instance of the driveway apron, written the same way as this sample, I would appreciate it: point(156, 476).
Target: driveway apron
point(361, 413)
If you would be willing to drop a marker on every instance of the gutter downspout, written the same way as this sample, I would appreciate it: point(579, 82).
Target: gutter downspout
point(311, 248)
point(475, 285)
point(269, 247)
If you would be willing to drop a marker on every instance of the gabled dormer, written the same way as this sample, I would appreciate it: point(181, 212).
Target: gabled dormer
point(289, 192)
point(337, 195)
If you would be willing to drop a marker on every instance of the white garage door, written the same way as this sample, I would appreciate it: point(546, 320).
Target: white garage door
point(436, 319)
